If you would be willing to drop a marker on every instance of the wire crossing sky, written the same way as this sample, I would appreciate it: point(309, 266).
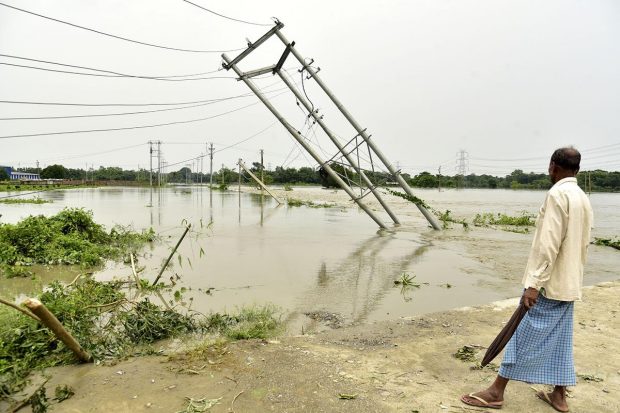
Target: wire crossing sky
point(507, 82)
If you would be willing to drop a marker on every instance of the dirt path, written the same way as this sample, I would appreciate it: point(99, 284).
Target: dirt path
point(399, 366)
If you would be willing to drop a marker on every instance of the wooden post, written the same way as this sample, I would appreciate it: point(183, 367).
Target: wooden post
point(50, 321)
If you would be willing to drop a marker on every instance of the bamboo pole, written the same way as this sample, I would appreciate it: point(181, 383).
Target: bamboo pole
point(21, 310)
point(172, 254)
point(50, 321)
point(135, 274)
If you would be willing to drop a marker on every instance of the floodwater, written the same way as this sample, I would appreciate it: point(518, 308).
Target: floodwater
point(332, 260)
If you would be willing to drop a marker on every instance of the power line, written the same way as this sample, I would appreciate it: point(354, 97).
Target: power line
point(115, 36)
point(114, 76)
point(226, 17)
point(220, 150)
point(131, 127)
point(85, 155)
point(134, 113)
point(113, 73)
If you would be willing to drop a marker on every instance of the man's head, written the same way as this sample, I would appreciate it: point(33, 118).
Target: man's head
point(564, 163)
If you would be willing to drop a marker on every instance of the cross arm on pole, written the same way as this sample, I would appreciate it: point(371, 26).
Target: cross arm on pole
point(253, 46)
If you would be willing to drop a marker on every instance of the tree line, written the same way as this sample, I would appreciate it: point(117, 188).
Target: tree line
point(597, 180)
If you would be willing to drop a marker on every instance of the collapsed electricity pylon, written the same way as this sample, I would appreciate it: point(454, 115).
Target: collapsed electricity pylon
point(312, 73)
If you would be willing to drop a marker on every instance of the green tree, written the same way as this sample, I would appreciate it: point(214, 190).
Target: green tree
point(54, 172)
point(3, 175)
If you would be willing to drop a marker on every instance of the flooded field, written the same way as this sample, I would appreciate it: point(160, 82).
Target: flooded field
point(325, 267)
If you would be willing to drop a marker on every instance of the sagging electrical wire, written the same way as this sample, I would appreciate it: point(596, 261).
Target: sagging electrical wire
point(136, 112)
point(131, 127)
point(226, 17)
point(116, 36)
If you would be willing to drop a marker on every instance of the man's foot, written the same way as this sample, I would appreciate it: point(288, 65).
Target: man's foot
point(485, 398)
point(554, 400)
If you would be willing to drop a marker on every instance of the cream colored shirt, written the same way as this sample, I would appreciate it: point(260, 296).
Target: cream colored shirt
point(560, 244)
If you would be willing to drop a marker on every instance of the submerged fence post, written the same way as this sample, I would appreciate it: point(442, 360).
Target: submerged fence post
point(50, 321)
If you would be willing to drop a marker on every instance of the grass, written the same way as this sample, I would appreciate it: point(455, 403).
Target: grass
point(608, 242)
point(69, 237)
point(248, 323)
point(25, 201)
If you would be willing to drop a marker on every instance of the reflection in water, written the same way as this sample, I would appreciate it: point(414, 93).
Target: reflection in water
point(356, 286)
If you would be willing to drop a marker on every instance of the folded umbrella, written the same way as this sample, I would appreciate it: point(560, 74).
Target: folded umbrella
point(504, 336)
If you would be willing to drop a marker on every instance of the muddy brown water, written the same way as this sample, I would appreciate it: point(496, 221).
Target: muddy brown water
point(331, 261)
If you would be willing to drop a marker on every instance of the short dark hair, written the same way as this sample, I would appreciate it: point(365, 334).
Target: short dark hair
point(567, 158)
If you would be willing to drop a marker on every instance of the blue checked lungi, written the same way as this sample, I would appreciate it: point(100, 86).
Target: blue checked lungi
point(541, 349)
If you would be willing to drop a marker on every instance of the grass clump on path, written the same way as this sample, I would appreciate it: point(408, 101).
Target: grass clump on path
point(69, 237)
point(608, 242)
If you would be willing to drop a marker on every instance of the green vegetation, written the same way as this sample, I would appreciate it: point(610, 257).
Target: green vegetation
point(608, 242)
point(446, 218)
point(410, 198)
point(109, 325)
point(25, 201)
point(487, 219)
point(406, 280)
point(466, 353)
point(69, 237)
point(598, 180)
point(249, 322)
point(23, 187)
point(294, 202)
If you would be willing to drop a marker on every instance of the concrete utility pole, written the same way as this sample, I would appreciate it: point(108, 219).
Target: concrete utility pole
point(211, 164)
point(151, 164)
point(361, 131)
point(439, 179)
point(262, 166)
point(300, 140)
point(332, 137)
point(223, 173)
point(158, 163)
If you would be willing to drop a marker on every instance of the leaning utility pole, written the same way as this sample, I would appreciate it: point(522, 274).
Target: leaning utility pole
point(312, 73)
point(230, 64)
point(361, 131)
point(347, 154)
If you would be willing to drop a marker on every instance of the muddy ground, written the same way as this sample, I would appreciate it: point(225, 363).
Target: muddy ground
point(401, 365)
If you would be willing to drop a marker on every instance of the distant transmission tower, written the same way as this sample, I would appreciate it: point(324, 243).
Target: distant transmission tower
point(462, 166)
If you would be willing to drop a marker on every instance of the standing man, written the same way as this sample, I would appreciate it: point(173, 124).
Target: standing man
point(541, 350)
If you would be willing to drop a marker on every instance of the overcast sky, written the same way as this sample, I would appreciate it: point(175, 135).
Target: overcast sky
point(507, 81)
